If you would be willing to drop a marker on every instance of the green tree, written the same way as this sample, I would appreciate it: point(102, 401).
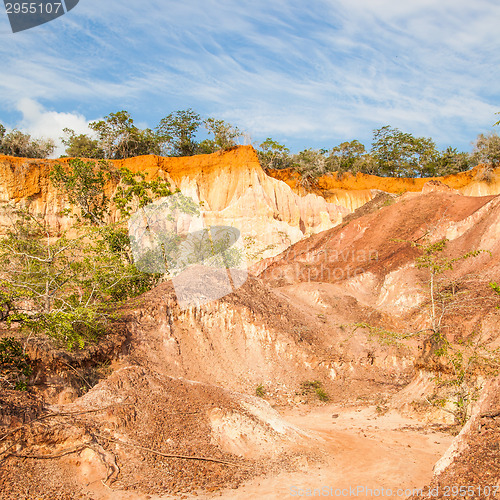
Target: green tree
point(401, 154)
point(66, 288)
point(119, 138)
point(441, 292)
point(17, 143)
point(84, 182)
point(349, 157)
point(487, 152)
point(448, 162)
point(273, 155)
point(463, 358)
point(459, 361)
point(134, 191)
point(310, 164)
point(177, 133)
point(70, 288)
point(81, 146)
point(224, 134)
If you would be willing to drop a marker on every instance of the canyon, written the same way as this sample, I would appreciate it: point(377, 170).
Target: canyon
point(317, 370)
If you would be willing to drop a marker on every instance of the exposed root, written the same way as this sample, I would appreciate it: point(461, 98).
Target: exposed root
point(182, 457)
point(54, 415)
point(109, 460)
point(68, 451)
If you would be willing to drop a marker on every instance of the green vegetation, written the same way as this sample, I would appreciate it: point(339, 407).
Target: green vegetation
point(15, 366)
point(260, 391)
point(273, 155)
point(315, 387)
point(177, 131)
point(66, 288)
point(253, 251)
point(467, 361)
point(464, 360)
point(487, 151)
point(15, 143)
point(392, 152)
point(84, 181)
point(459, 362)
point(383, 336)
point(225, 136)
point(71, 288)
point(117, 137)
point(442, 292)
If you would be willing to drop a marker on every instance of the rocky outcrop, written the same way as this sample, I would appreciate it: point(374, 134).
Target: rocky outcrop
point(271, 210)
point(353, 191)
point(231, 187)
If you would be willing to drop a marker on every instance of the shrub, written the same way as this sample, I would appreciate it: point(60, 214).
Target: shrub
point(260, 391)
point(15, 366)
point(316, 387)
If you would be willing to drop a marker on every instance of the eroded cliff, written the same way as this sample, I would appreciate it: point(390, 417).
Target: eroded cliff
point(271, 210)
point(353, 191)
point(333, 317)
point(231, 187)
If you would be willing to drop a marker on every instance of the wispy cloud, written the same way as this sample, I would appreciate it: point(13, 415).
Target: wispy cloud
point(306, 73)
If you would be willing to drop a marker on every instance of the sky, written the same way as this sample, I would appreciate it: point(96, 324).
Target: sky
point(307, 74)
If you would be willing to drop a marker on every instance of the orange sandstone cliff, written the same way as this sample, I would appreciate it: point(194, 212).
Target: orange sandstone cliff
point(353, 191)
point(271, 210)
point(231, 187)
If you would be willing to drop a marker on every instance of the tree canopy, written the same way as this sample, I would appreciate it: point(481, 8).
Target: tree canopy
point(17, 143)
point(392, 151)
point(177, 132)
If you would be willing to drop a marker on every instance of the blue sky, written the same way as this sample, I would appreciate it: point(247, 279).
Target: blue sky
point(308, 74)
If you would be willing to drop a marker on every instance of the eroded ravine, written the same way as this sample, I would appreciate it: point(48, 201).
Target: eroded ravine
point(360, 449)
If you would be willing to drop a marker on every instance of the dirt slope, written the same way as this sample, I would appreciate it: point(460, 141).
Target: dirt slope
point(473, 460)
point(370, 259)
point(183, 381)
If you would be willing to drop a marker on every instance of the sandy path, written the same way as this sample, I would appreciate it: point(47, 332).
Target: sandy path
point(363, 449)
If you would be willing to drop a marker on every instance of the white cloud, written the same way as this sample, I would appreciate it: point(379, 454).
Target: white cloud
point(40, 123)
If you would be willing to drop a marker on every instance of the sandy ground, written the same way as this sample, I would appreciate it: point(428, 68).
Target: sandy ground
point(363, 449)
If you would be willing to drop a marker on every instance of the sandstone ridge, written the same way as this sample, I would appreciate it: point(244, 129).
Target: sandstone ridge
point(271, 210)
point(231, 187)
point(353, 191)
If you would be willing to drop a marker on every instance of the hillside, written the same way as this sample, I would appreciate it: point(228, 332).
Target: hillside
point(319, 368)
point(352, 191)
point(271, 211)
